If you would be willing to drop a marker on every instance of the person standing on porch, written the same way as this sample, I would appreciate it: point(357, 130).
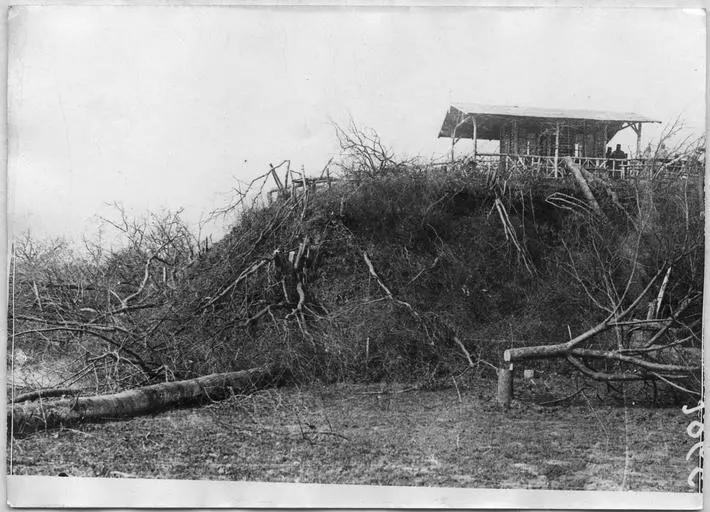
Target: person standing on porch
point(618, 156)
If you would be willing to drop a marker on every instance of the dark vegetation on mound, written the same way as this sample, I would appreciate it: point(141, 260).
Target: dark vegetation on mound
point(377, 277)
point(434, 243)
point(437, 243)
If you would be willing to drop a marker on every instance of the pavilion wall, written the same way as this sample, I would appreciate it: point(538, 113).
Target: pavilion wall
point(575, 139)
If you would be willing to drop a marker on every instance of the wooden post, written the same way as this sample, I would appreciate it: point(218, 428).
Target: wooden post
point(557, 146)
point(638, 140)
point(453, 135)
point(290, 173)
point(475, 137)
point(277, 180)
point(505, 386)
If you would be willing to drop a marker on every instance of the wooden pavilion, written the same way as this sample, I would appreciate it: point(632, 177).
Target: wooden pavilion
point(538, 137)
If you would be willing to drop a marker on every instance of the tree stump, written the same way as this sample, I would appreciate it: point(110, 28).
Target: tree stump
point(505, 386)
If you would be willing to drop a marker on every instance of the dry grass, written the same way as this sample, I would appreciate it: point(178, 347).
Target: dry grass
point(359, 435)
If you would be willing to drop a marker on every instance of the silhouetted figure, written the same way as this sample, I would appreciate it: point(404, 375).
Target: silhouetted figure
point(618, 154)
point(609, 163)
point(618, 157)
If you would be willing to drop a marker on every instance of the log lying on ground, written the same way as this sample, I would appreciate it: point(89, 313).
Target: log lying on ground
point(33, 416)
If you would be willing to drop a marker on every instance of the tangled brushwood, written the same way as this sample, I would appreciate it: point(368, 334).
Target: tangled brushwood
point(386, 270)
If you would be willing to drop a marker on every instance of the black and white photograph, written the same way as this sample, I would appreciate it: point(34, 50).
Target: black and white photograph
point(394, 246)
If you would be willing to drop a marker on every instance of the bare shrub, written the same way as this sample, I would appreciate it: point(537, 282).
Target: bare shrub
point(363, 154)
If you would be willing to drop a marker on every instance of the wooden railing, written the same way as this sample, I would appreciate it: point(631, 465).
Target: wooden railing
point(550, 167)
point(513, 165)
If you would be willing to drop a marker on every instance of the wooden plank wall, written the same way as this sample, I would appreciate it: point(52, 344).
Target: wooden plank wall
point(540, 139)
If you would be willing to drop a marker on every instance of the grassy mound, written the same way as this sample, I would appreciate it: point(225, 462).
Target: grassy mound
point(453, 258)
point(407, 274)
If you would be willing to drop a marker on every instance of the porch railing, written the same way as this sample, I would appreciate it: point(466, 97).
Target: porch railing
point(549, 167)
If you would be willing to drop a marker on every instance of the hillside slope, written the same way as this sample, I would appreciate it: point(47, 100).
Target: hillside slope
point(382, 278)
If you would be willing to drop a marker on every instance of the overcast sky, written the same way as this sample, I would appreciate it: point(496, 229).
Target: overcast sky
point(165, 107)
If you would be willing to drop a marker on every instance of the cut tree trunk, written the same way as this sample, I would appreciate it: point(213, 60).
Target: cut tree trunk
point(33, 416)
point(576, 171)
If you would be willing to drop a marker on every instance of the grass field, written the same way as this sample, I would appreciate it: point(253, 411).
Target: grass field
point(358, 435)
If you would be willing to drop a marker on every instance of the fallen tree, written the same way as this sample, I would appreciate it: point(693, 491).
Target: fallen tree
point(652, 334)
point(41, 414)
point(635, 358)
point(615, 320)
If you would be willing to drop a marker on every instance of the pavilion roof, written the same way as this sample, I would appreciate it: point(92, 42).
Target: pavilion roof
point(489, 118)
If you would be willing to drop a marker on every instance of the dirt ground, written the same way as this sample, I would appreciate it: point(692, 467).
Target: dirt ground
point(359, 435)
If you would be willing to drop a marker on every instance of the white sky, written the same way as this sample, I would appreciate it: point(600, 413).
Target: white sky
point(164, 107)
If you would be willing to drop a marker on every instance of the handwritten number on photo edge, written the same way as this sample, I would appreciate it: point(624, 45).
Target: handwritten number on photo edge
point(698, 407)
point(697, 445)
point(691, 477)
point(695, 429)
